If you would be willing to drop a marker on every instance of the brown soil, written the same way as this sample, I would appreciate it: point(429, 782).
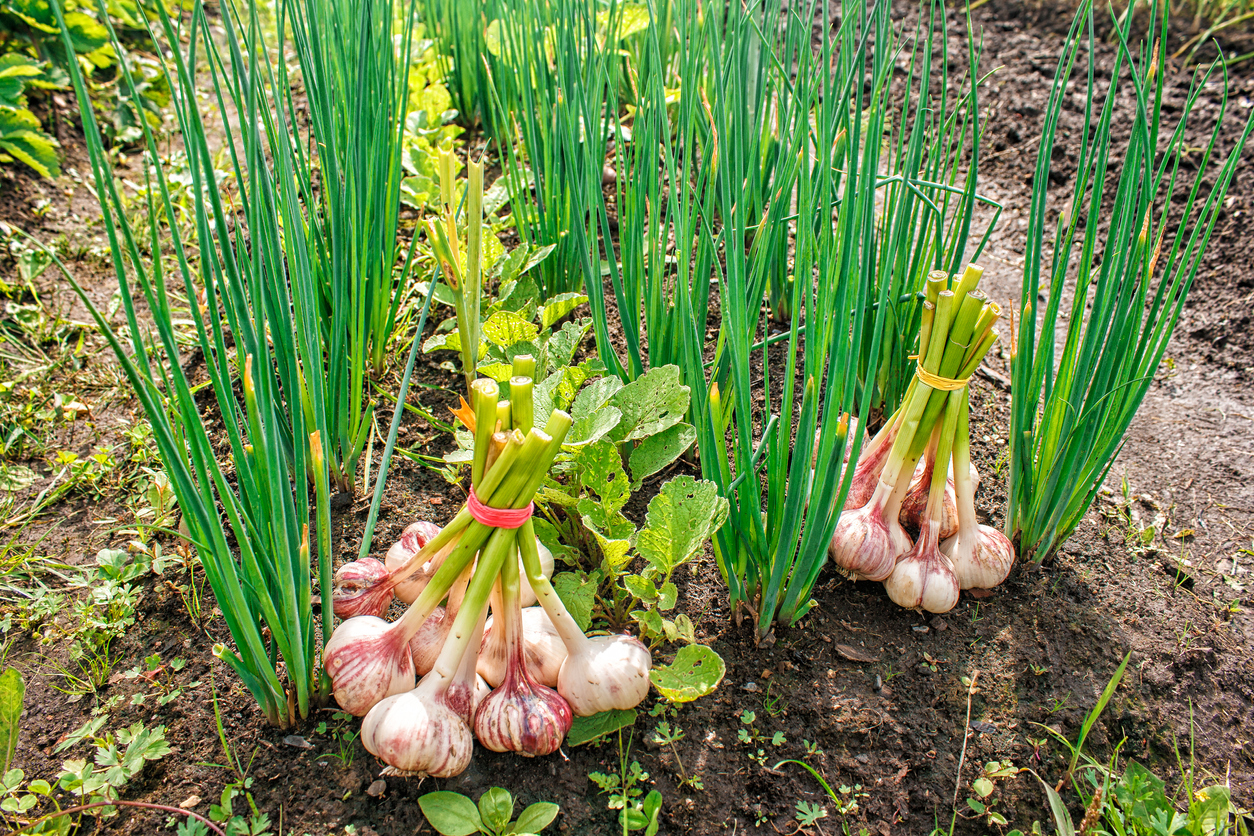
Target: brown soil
point(879, 690)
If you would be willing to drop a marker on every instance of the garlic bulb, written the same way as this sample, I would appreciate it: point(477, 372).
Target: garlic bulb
point(368, 660)
point(924, 577)
point(403, 551)
point(982, 557)
point(360, 589)
point(416, 733)
point(520, 715)
point(599, 673)
point(543, 649)
point(605, 672)
point(868, 540)
point(427, 643)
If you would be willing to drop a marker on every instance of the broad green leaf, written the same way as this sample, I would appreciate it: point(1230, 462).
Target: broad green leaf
point(601, 472)
point(657, 451)
point(565, 342)
point(613, 532)
point(15, 70)
point(504, 328)
point(651, 808)
point(451, 813)
point(15, 477)
point(12, 693)
point(642, 588)
point(696, 671)
point(587, 729)
point(537, 816)
point(668, 595)
point(578, 596)
point(652, 625)
point(558, 306)
point(23, 138)
point(496, 808)
point(651, 403)
point(680, 519)
point(591, 413)
point(590, 426)
point(449, 341)
point(500, 372)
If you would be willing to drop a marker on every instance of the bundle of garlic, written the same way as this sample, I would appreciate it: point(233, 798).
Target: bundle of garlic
point(498, 688)
point(952, 551)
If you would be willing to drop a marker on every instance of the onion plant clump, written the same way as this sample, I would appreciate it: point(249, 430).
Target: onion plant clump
point(292, 290)
point(540, 684)
point(1130, 238)
point(931, 429)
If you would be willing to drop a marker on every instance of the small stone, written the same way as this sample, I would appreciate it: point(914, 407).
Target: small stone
point(861, 758)
point(983, 727)
point(921, 628)
point(939, 624)
point(377, 788)
point(752, 687)
point(189, 802)
point(297, 741)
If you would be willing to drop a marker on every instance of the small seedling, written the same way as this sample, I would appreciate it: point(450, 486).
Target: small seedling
point(341, 732)
point(453, 814)
point(623, 788)
point(808, 814)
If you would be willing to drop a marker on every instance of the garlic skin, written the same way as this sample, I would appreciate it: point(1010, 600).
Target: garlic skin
point(360, 588)
point(425, 645)
point(523, 716)
point(868, 540)
point(543, 650)
point(417, 734)
point(871, 461)
point(914, 506)
point(924, 577)
point(413, 538)
point(367, 661)
point(605, 672)
point(982, 556)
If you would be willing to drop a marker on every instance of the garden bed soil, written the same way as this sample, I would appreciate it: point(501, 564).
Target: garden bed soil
point(891, 702)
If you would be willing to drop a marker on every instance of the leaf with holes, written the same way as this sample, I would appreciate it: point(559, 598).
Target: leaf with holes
point(680, 519)
point(696, 671)
point(651, 403)
point(601, 472)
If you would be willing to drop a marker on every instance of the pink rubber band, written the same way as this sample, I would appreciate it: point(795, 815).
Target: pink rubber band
point(498, 517)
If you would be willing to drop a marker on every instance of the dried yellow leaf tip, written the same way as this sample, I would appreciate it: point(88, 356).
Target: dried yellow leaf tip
point(464, 414)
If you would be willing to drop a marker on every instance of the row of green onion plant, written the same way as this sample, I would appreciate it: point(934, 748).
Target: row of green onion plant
point(282, 289)
point(756, 169)
point(1130, 240)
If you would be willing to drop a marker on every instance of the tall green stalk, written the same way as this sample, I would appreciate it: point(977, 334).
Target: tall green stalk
point(1131, 239)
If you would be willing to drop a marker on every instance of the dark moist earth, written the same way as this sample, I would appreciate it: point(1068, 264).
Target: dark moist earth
point(878, 694)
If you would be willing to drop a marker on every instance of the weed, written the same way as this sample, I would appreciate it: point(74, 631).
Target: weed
point(625, 789)
point(453, 814)
point(340, 729)
point(808, 814)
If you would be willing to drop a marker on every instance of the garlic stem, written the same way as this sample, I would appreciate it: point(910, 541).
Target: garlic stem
point(468, 615)
point(494, 480)
point(963, 489)
point(563, 622)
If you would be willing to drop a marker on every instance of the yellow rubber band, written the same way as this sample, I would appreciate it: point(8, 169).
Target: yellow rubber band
point(943, 384)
